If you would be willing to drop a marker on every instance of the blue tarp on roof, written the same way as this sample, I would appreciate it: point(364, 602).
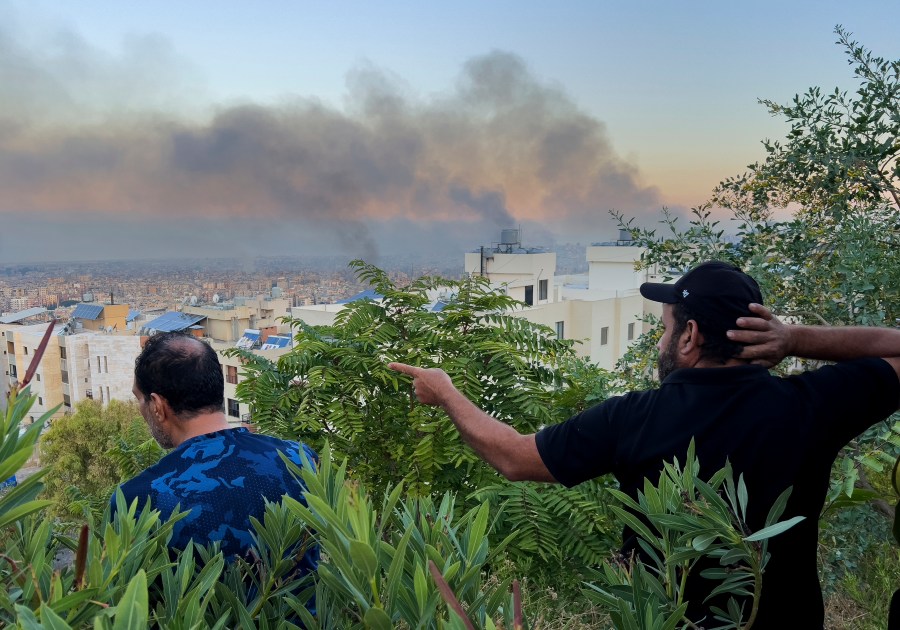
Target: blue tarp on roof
point(438, 306)
point(132, 315)
point(172, 321)
point(368, 294)
point(274, 342)
point(87, 311)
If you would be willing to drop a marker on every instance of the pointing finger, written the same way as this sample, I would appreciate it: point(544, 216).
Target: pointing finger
point(403, 368)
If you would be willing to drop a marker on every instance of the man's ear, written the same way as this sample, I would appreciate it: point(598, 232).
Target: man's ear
point(160, 407)
point(691, 339)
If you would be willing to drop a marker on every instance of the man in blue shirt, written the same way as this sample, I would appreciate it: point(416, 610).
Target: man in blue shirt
point(220, 475)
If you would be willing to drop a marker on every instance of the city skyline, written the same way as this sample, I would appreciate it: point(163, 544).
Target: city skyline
point(202, 130)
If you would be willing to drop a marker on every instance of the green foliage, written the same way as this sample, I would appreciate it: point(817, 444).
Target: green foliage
point(374, 573)
point(556, 527)
point(88, 453)
point(837, 260)
point(680, 521)
point(15, 450)
point(335, 383)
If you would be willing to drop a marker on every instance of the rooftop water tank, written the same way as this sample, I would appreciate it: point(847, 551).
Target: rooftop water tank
point(509, 237)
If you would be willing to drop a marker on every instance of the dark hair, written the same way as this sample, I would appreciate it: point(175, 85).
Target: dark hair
point(183, 370)
point(716, 346)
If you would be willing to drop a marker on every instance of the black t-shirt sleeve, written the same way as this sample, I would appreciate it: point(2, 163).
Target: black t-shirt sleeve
point(582, 447)
point(854, 395)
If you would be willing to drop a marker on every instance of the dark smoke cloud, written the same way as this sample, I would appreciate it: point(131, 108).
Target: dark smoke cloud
point(85, 136)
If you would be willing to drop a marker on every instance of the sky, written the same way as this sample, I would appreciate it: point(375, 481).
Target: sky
point(207, 129)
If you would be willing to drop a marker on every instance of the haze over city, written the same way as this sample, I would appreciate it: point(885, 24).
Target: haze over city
point(207, 130)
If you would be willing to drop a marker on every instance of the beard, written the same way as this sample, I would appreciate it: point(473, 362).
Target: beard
point(668, 360)
point(158, 433)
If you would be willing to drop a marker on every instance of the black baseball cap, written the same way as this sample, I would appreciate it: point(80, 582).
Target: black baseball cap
point(716, 292)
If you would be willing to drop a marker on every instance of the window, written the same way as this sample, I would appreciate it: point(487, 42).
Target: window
point(62, 353)
point(542, 289)
point(100, 389)
point(560, 330)
point(40, 400)
point(630, 331)
point(37, 376)
point(231, 374)
point(98, 364)
point(604, 335)
point(529, 295)
point(108, 397)
point(25, 349)
point(105, 365)
point(12, 370)
point(234, 409)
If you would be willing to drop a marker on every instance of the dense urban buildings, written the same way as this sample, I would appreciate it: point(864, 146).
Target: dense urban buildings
point(106, 309)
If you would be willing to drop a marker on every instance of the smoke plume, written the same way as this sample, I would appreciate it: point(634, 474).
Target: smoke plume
point(86, 137)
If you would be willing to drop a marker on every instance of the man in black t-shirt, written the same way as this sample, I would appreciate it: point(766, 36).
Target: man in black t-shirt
point(777, 432)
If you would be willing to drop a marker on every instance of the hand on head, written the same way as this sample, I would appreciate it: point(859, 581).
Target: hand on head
point(767, 340)
point(431, 385)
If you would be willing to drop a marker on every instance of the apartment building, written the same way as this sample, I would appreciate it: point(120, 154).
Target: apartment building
point(265, 342)
point(227, 321)
point(75, 366)
point(603, 310)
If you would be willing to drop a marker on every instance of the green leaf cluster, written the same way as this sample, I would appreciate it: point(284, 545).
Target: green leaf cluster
point(374, 572)
point(335, 385)
point(835, 259)
point(680, 521)
point(88, 453)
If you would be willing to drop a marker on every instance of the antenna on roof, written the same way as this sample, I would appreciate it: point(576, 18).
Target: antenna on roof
point(111, 299)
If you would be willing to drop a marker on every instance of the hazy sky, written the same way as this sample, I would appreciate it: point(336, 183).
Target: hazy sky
point(205, 128)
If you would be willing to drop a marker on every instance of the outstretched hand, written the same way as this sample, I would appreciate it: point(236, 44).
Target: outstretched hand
point(432, 385)
point(767, 339)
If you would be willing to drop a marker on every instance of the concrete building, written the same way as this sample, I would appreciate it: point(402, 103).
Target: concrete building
point(101, 317)
point(226, 321)
point(75, 366)
point(265, 343)
point(19, 344)
point(602, 310)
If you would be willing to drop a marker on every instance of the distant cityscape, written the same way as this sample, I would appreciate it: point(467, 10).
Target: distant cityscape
point(157, 285)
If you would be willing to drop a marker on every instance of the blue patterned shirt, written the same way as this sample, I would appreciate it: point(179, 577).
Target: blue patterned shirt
point(221, 479)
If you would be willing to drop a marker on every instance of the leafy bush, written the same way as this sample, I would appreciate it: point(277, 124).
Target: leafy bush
point(335, 385)
point(87, 454)
point(375, 572)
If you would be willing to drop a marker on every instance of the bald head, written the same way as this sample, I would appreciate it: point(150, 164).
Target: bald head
point(183, 370)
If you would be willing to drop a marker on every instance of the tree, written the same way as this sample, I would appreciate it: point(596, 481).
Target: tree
point(335, 384)
point(837, 259)
point(90, 452)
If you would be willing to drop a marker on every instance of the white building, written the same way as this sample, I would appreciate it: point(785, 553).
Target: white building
point(603, 310)
point(262, 342)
